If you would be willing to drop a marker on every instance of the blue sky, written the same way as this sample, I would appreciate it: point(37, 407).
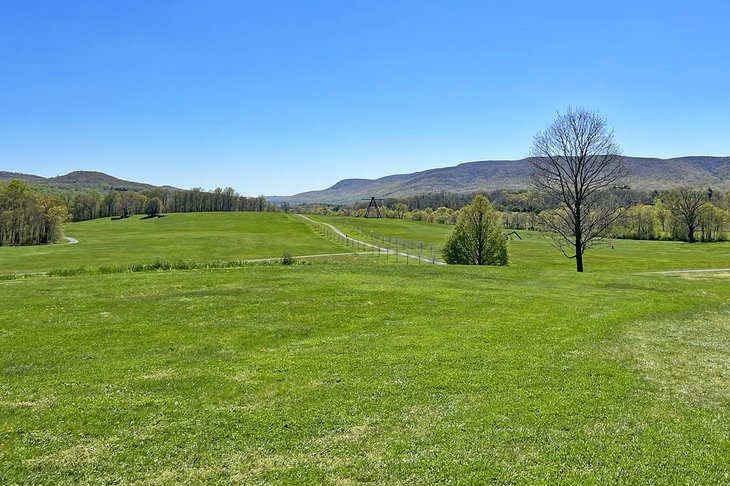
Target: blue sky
point(275, 97)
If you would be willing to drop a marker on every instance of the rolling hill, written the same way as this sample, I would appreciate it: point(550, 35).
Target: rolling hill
point(646, 173)
point(81, 179)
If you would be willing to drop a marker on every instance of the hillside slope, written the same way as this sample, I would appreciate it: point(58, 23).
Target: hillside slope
point(646, 173)
point(81, 179)
point(29, 178)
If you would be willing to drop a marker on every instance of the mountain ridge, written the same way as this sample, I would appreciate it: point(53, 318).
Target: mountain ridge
point(82, 179)
point(647, 173)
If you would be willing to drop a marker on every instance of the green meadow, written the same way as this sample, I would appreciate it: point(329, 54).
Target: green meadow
point(178, 236)
point(410, 231)
point(357, 368)
point(534, 250)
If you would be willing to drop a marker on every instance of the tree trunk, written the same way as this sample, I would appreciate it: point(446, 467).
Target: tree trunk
point(578, 240)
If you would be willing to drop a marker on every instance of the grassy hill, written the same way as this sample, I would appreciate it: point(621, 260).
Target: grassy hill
point(80, 179)
point(188, 236)
point(646, 173)
point(363, 370)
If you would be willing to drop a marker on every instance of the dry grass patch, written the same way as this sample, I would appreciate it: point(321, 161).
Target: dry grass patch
point(686, 359)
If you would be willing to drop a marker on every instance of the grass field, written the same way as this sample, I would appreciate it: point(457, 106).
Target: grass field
point(365, 370)
point(431, 233)
point(534, 250)
point(193, 236)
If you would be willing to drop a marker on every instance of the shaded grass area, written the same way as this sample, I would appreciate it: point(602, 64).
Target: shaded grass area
point(201, 237)
point(363, 371)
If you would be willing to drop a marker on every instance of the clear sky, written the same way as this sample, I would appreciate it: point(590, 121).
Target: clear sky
point(277, 97)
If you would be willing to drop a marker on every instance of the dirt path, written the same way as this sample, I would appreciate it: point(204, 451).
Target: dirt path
point(386, 250)
point(71, 241)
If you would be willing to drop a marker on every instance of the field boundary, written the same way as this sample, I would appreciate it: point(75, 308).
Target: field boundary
point(212, 265)
point(670, 272)
point(319, 255)
point(387, 251)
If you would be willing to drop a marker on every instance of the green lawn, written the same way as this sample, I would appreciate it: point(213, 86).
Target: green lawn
point(193, 236)
point(365, 370)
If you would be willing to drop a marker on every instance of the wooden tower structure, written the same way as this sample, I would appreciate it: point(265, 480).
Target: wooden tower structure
point(373, 210)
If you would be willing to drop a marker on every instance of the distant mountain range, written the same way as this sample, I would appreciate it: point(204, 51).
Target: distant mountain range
point(646, 174)
point(82, 179)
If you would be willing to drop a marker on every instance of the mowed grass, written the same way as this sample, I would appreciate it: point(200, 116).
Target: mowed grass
point(187, 236)
point(366, 370)
point(432, 233)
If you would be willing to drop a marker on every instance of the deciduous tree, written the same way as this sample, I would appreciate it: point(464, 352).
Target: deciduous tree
point(575, 163)
point(477, 238)
point(685, 205)
point(153, 207)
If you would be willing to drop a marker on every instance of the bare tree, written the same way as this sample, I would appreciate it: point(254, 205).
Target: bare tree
point(575, 165)
point(686, 205)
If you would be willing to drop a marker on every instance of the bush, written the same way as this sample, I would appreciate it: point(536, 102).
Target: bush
point(287, 259)
point(477, 238)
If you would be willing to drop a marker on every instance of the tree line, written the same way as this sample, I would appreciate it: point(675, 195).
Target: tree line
point(670, 215)
point(29, 218)
point(683, 214)
point(93, 204)
point(33, 215)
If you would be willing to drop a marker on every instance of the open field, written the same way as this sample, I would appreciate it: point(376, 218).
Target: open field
point(365, 370)
point(534, 249)
point(431, 233)
point(191, 236)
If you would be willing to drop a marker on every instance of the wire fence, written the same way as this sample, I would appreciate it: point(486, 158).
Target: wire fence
point(387, 247)
point(424, 251)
